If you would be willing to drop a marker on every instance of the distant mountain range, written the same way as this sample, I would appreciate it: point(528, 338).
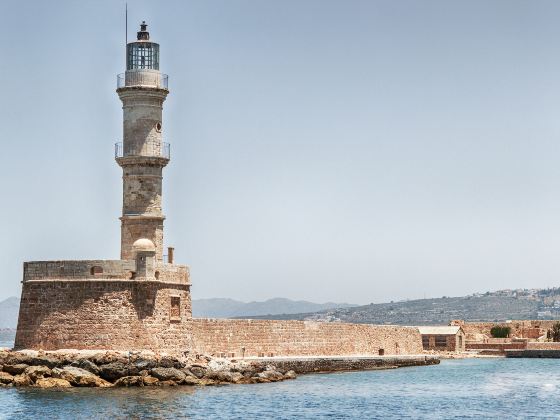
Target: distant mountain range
point(229, 308)
point(207, 308)
point(9, 309)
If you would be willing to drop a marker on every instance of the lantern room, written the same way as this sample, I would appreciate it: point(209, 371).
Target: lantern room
point(142, 54)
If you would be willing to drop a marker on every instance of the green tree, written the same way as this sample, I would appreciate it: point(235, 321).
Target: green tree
point(554, 332)
point(500, 331)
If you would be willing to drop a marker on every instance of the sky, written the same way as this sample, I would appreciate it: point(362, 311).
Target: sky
point(348, 151)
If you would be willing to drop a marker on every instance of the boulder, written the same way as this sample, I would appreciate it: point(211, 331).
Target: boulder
point(167, 383)
point(22, 380)
point(290, 375)
point(113, 371)
point(79, 377)
point(170, 362)
point(108, 357)
point(144, 364)
point(150, 380)
point(198, 371)
point(15, 369)
point(168, 374)
point(237, 377)
point(13, 358)
point(52, 383)
point(130, 381)
point(208, 382)
point(36, 372)
point(44, 360)
point(271, 375)
point(220, 376)
point(6, 378)
point(87, 365)
point(191, 380)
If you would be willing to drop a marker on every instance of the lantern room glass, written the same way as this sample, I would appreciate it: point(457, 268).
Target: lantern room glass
point(142, 55)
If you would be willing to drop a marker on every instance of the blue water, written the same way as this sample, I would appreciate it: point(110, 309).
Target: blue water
point(7, 338)
point(474, 388)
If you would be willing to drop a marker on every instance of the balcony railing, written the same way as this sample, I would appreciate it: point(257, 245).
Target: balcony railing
point(142, 77)
point(164, 151)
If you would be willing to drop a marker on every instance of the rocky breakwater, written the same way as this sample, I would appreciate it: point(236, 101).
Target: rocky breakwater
point(112, 369)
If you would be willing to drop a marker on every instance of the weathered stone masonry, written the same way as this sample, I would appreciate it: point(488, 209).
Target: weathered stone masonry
point(253, 338)
point(64, 306)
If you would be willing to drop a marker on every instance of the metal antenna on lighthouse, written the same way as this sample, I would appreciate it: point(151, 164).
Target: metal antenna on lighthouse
point(125, 32)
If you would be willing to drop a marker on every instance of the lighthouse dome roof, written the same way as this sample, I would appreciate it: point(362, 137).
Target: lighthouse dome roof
point(143, 244)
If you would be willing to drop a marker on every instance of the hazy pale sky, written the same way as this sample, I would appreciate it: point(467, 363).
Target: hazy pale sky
point(358, 151)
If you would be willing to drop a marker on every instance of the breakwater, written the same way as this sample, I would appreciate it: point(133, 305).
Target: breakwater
point(121, 369)
point(533, 354)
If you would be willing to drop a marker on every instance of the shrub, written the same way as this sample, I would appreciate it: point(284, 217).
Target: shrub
point(500, 331)
point(554, 333)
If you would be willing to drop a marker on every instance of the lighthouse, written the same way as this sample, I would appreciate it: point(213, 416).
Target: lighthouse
point(140, 301)
point(142, 154)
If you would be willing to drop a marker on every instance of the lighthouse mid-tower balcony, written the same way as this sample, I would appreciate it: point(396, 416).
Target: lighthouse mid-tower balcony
point(162, 150)
point(142, 78)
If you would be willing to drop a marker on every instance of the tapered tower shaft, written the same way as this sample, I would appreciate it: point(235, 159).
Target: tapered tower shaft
point(142, 153)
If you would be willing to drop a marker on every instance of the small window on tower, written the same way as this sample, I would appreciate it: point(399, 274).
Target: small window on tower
point(175, 312)
point(158, 127)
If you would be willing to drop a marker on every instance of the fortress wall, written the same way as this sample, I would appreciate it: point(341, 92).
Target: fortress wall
point(543, 346)
point(104, 314)
point(532, 329)
point(228, 337)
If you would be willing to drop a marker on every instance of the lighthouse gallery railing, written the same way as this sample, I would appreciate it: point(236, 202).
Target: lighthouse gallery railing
point(165, 151)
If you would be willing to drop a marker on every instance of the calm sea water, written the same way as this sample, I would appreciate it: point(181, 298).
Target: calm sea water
point(7, 338)
point(475, 388)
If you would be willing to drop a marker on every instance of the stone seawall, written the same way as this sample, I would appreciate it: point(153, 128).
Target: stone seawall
point(534, 354)
point(104, 314)
point(258, 338)
point(498, 347)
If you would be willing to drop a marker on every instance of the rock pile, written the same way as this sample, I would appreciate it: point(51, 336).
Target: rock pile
point(107, 369)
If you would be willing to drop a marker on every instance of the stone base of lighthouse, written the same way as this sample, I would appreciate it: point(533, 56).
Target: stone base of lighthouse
point(100, 305)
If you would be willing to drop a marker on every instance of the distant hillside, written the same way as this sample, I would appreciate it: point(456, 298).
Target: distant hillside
point(433, 311)
point(229, 308)
point(206, 308)
point(9, 312)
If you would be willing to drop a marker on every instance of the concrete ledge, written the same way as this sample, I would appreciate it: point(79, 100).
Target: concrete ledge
point(302, 365)
point(534, 354)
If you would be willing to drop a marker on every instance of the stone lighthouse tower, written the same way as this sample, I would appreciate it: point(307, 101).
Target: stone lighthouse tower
point(142, 153)
point(138, 301)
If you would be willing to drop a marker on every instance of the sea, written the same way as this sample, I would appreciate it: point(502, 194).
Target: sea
point(463, 388)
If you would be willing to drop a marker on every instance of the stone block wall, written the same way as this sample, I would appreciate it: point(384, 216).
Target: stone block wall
point(253, 338)
point(479, 331)
point(104, 314)
point(136, 227)
point(543, 346)
point(501, 347)
point(449, 342)
point(95, 270)
point(78, 269)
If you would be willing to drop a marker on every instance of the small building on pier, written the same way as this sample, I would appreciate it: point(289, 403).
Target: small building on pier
point(443, 338)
